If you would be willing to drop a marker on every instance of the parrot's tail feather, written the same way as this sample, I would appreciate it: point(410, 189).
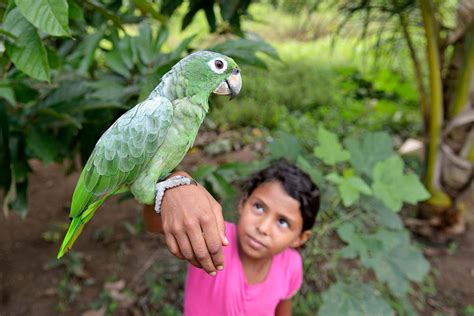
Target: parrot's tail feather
point(77, 224)
point(75, 228)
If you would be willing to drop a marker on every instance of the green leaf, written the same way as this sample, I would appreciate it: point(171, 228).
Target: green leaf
point(354, 299)
point(358, 244)
point(399, 262)
point(285, 146)
point(49, 16)
point(28, 54)
point(86, 50)
point(203, 171)
point(245, 51)
point(75, 11)
point(329, 149)
point(5, 172)
point(312, 171)
point(6, 92)
point(221, 186)
point(146, 7)
point(114, 60)
point(389, 253)
point(373, 148)
point(42, 145)
point(394, 187)
point(351, 188)
point(148, 46)
point(382, 214)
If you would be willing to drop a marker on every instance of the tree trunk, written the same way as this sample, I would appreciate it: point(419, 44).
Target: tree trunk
point(451, 171)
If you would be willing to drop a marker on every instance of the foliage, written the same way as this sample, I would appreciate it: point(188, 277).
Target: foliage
point(304, 88)
point(98, 60)
point(353, 299)
point(437, 37)
point(361, 210)
point(230, 12)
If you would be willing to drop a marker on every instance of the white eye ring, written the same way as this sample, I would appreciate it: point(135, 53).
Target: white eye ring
point(218, 65)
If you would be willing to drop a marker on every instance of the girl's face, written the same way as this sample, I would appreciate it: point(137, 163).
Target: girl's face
point(270, 221)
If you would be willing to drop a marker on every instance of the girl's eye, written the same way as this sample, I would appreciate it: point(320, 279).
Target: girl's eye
point(283, 223)
point(258, 207)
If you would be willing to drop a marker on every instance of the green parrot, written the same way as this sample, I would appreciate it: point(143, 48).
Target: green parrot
point(147, 142)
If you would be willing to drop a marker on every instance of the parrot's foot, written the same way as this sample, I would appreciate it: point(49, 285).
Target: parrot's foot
point(172, 182)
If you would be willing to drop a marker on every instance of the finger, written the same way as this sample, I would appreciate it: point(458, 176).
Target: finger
point(217, 209)
point(185, 246)
point(200, 250)
point(213, 242)
point(195, 263)
point(173, 246)
point(174, 249)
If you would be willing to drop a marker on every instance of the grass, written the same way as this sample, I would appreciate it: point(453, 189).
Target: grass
point(321, 84)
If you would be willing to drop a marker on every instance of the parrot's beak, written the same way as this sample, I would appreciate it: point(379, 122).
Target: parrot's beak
point(231, 85)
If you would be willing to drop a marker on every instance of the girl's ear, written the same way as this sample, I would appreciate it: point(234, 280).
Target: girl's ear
point(302, 238)
point(241, 204)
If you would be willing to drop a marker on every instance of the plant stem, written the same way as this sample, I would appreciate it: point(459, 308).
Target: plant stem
point(438, 198)
point(418, 73)
point(463, 84)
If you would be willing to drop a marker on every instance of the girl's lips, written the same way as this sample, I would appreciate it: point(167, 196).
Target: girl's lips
point(255, 243)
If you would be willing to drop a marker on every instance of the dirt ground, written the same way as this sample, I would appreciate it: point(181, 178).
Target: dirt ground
point(29, 281)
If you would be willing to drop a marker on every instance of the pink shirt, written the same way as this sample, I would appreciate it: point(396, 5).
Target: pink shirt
point(229, 294)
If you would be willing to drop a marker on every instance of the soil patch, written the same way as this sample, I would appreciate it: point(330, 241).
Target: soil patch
point(30, 282)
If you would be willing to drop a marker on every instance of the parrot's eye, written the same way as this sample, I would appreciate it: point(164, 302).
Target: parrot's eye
point(218, 65)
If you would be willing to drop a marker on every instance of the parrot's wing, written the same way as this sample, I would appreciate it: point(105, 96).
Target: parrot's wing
point(123, 151)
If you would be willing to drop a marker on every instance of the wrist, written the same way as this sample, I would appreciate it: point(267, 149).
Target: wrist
point(171, 182)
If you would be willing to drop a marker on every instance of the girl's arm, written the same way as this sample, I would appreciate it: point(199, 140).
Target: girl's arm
point(283, 308)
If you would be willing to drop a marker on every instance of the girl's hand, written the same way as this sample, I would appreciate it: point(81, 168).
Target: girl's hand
point(193, 226)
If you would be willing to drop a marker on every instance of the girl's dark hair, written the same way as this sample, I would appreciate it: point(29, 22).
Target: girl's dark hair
point(296, 183)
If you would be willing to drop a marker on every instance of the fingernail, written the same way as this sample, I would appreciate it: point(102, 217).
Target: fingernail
point(226, 241)
point(213, 273)
point(220, 268)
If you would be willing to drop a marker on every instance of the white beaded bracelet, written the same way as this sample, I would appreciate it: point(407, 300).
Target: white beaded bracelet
point(172, 182)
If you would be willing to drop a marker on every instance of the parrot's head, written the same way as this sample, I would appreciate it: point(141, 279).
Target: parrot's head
point(209, 72)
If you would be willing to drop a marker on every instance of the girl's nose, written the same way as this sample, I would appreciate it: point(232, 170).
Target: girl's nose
point(263, 227)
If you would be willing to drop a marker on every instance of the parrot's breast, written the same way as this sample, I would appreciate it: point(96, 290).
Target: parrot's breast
point(187, 119)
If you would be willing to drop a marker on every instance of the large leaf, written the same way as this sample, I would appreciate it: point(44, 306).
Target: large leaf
point(149, 46)
point(114, 60)
point(245, 51)
point(329, 149)
point(399, 263)
point(350, 187)
point(382, 214)
point(394, 260)
point(16, 198)
point(312, 171)
point(285, 146)
point(394, 187)
point(6, 92)
point(365, 154)
point(354, 299)
point(49, 16)
point(42, 145)
point(359, 245)
point(28, 54)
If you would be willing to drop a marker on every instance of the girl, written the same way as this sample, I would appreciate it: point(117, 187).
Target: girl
point(262, 268)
